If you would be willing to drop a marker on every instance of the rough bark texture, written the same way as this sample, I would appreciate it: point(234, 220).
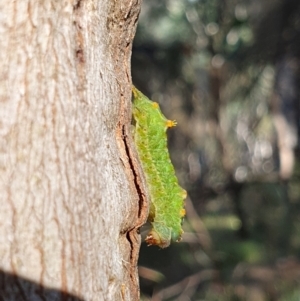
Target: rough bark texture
point(71, 191)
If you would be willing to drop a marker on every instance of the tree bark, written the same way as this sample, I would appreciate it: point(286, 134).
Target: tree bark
point(72, 193)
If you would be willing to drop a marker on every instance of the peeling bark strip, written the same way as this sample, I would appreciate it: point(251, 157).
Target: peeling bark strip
point(121, 25)
point(132, 164)
point(166, 211)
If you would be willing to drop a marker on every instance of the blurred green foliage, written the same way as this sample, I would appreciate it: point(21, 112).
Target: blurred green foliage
point(228, 72)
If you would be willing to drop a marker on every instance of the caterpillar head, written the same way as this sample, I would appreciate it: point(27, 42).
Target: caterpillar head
point(154, 239)
point(160, 235)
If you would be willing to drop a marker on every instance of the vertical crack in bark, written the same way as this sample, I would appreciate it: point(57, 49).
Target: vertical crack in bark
point(139, 182)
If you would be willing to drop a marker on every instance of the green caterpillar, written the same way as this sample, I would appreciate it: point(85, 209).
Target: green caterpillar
point(167, 197)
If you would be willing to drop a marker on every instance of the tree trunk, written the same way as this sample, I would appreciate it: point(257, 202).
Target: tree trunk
point(71, 189)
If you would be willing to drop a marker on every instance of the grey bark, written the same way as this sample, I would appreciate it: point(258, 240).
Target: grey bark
point(70, 189)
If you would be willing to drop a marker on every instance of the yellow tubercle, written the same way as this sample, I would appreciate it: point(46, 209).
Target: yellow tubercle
point(182, 212)
point(171, 123)
point(135, 91)
point(155, 105)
